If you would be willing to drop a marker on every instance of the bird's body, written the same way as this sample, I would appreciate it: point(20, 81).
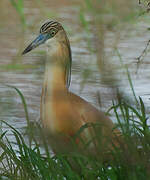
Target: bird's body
point(62, 112)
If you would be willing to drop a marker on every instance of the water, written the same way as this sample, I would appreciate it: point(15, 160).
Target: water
point(29, 79)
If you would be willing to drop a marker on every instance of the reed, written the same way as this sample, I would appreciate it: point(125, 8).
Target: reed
point(19, 7)
point(35, 160)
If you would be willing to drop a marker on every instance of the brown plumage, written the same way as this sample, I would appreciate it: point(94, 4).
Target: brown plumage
point(62, 112)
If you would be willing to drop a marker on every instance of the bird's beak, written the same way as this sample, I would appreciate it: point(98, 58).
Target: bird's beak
point(39, 40)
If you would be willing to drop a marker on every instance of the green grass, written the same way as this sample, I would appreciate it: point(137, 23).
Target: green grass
point(30, 161)
point(19, 66)
point(19, 7)
point(112, 14)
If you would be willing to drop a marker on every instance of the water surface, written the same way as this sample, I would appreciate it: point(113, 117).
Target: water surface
point(29, 77)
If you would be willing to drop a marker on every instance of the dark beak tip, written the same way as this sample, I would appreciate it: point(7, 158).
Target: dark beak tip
point(23, 53)
point(39, 40)
point(28, 49)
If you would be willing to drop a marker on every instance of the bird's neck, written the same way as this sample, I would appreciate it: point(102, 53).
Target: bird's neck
point(56, 69)
point(54, 78)
point(54, 87)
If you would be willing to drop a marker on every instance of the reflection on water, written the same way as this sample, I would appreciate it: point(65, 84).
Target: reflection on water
point(29, 79)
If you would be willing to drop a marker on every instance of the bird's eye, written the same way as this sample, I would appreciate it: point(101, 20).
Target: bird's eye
point(52, 32)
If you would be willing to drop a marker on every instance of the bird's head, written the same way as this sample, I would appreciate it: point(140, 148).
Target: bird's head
point(51, 33)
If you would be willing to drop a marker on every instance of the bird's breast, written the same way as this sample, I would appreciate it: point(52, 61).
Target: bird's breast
point(57, 113)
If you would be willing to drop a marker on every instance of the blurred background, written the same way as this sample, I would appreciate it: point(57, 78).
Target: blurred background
point(107, 39)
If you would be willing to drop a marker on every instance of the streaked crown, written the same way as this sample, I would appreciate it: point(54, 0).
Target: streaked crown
point(51, 27)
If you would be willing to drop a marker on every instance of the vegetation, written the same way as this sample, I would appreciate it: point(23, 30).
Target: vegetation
point(32, 159)
point(19, 7)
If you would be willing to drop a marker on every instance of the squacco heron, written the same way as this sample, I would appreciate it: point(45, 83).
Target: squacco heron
point(63, 112)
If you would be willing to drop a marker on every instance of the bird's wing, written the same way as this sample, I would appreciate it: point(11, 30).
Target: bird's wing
point(89, 114)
